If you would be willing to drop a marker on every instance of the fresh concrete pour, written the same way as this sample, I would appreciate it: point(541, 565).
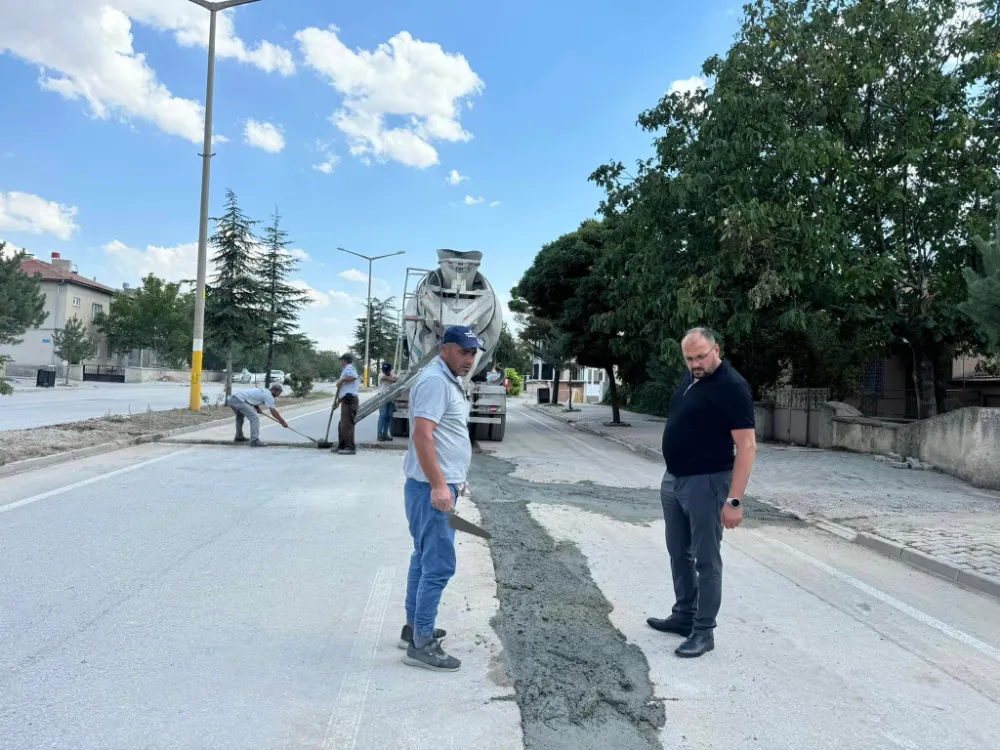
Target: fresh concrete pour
point(579, 683)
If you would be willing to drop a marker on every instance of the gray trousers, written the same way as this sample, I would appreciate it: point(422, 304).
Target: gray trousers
point(243, 411)
point(692, 509)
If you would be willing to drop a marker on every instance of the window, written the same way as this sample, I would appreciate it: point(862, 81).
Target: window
point(95, 310)
point(76, 302)
point(547, 372)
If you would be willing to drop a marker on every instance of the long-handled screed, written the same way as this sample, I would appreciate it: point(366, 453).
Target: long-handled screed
point(295, 431)
point(325, 442)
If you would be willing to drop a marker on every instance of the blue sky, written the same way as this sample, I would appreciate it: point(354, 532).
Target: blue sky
point(353, 141)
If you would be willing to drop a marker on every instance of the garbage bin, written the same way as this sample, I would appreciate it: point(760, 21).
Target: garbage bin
point(46, 379)
point(544, 395)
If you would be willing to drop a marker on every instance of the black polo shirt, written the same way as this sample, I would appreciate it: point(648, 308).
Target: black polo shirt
point(703, 413)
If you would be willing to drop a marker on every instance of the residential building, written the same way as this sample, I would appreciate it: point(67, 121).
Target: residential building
point(587, 383)
point(887, 388)
point(67, 294)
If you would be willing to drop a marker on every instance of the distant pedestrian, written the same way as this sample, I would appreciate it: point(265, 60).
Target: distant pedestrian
point(436, 469)
point(711, 417)
point(494, 376)
point(347, 396)
point(247, 405)
point(386, 380)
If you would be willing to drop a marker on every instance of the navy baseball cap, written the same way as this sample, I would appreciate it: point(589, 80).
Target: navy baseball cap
point(464, 336)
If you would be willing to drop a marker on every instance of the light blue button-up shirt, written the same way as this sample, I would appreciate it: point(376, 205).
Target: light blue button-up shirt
point(349, 389)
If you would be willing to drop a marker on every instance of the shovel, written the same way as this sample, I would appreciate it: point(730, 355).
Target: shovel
point(295, 431)
point(325, 442)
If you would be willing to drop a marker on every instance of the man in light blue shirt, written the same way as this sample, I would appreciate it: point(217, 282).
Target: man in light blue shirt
point(436, 468)
point(247, 405)
point(347, 397)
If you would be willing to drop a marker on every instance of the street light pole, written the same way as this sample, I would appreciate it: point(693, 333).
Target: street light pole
point(368, 325)
point(198, 345)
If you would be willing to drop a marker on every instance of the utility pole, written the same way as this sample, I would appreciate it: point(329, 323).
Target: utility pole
point(368, 326)
point(198, 345)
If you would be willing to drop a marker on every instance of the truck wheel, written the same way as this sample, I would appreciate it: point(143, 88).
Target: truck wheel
point(497, 430)
point(479, 431)
point(399, 427)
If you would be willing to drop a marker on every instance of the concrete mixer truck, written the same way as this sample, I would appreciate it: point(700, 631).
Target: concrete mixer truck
point(455, 293)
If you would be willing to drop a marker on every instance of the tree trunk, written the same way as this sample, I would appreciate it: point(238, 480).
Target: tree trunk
point(923, 382)
point(67, 372)
point(229, 373)
point(555, 386)
point(616, 415)
point(270, 359)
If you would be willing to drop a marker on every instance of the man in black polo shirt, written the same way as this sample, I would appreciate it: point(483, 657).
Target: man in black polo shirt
point(711, 413)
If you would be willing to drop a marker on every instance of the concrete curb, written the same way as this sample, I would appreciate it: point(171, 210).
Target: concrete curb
point(881, 545)
point(41, 462)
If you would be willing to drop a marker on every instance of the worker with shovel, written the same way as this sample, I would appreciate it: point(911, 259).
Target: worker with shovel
point(436, 467)
point(247, 405)
point(347, 398)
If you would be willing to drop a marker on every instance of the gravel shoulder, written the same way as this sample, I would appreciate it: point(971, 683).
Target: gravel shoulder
point(19, 445)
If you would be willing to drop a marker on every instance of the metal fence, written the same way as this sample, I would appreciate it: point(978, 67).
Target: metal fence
point(104, 373)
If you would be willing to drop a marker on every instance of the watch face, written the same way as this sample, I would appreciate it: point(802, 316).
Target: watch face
point(734, 502)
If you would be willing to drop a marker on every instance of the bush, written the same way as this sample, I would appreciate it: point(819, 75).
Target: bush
point(302, 385)
point(516, 381)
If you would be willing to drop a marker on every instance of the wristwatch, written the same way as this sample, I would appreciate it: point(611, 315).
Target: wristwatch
point(733, 501)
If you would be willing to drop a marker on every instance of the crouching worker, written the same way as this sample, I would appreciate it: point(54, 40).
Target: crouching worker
point(436, 467)
point(247, 405)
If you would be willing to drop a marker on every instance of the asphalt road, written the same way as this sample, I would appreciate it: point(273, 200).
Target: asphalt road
point(192, 596)
point(38, 407)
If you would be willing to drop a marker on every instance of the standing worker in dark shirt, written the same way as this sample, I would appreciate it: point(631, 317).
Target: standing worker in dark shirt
point(711, 413)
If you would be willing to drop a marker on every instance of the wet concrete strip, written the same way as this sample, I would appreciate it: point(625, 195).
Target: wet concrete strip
point(578, 682)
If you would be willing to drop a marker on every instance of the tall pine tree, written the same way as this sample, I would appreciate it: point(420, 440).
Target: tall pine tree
point(233, 305)
point(384, 333)
point(22, 304)
point(280, 300)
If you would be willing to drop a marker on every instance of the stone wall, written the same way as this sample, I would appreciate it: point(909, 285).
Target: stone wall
point(964, 443)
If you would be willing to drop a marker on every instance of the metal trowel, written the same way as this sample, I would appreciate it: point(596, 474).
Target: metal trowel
point(460, 524)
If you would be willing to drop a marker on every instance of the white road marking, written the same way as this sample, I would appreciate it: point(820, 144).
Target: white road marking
point(916, 614)
point(85, 482)
point(592, 449)
point(342, 729)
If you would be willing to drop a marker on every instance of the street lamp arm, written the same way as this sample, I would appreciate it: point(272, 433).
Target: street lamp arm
point(351, 252)
point(389, 255)
point(226, 4)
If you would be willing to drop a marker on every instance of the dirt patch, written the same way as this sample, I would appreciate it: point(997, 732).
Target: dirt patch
point(19, 445)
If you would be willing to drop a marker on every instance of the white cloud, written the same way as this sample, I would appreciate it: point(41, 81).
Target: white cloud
point(85, 51)
point(299, 254)
point(330, 160)
point(23, 212)
point(688, 86)
point(454, 178)
point(494, 204)
point(354, 274)
point(177, 263)
point(219, 139)
point(10, 249)
point(470, 201)
point(316, 298)
point(414, 81)
point(8, 155)
point(264, 135)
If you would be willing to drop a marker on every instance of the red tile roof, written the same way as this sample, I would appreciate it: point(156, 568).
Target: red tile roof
point(49, 272)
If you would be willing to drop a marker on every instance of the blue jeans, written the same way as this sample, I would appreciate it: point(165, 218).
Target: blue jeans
point(385, 418)
point(432, 563)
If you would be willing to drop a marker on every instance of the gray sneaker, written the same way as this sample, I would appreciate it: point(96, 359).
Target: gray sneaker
point(347, 452)
point(431, 657)
point(407, 635)
point(257, 444)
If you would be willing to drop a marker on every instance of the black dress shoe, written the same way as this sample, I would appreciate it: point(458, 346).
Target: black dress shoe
point(669, 625)
point(696, 645)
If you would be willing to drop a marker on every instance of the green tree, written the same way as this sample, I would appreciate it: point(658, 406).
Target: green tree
point(327, 365)
point(282, 301)
point(74, 343)
point(566, 284)
point(384, 333)
point(983, 304)
point(512, 353)
point(156, 315)
point(233, 304)
point(822, 189)
point(22, 305)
